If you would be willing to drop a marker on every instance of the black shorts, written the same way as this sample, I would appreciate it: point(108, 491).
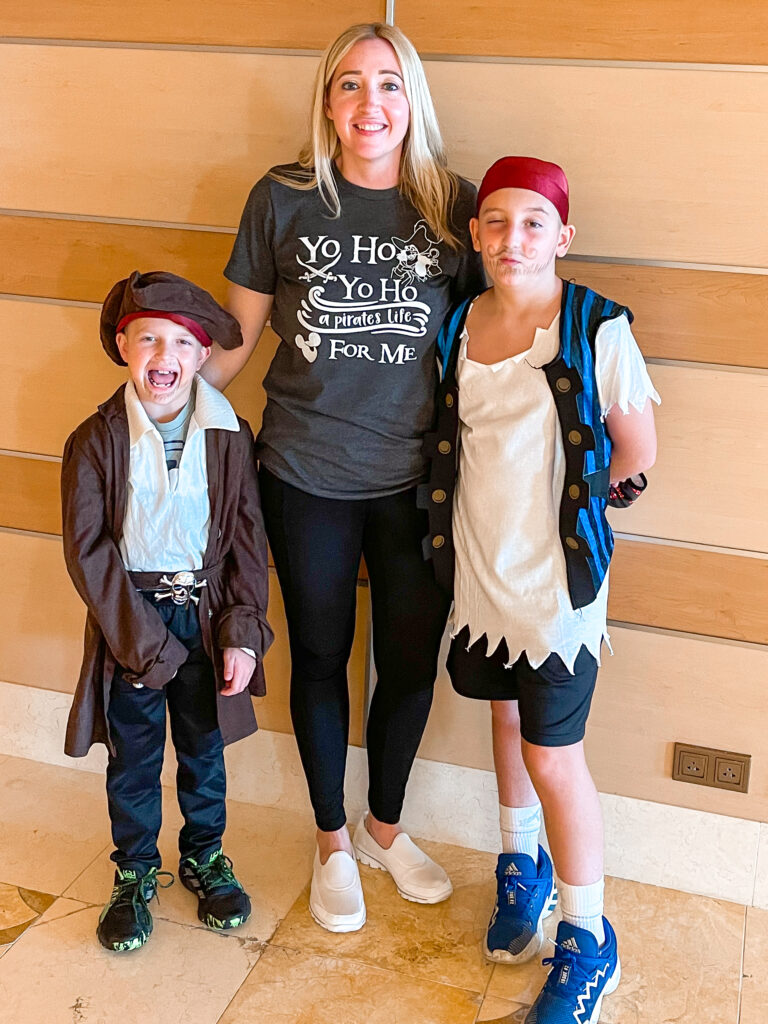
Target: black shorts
point(553, 703)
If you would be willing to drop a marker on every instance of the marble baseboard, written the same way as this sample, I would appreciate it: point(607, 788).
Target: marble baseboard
point(659, 844)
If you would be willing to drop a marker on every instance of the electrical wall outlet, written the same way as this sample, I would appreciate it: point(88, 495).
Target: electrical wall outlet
point(706, 766)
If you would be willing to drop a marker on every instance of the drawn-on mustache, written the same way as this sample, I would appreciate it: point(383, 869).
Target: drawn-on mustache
point(504, 251)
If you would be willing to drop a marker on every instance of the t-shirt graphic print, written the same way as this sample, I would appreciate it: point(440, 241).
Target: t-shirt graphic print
point(358, 303)
point(392, 307)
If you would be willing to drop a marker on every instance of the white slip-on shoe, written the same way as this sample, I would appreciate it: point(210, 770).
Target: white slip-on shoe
point(336, 896)
point(417, 876)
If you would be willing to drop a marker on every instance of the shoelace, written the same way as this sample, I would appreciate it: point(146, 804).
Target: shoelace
point(131, 890)
point(567, 958)
point(511, 887)
point(217, 874)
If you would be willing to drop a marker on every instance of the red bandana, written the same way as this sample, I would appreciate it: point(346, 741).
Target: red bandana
point(540, 176)
point(158, 314)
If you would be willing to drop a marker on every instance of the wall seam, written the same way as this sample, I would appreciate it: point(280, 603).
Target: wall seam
point(223, 229)
point(462, 58)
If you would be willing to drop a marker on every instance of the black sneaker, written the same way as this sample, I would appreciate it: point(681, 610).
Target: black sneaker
point(125, 922)
point(222, 901)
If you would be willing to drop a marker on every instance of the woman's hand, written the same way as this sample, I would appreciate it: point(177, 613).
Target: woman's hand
point(251, 309)
point(238, 669)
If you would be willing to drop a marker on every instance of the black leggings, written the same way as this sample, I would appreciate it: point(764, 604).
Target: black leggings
point(317, 543)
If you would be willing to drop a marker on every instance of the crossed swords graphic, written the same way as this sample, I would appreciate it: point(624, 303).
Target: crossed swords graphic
point(322, 273)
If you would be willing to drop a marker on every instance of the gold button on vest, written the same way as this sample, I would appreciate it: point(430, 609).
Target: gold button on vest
point(444, 447)
point(563, 384)
point(574, 437)
point(574, 491)
point(438, 540)
point(572, 543)
point(449, 401)
point(438, 496)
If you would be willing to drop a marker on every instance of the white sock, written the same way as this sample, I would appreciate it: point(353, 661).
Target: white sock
point(582, 905)
point(520, 828)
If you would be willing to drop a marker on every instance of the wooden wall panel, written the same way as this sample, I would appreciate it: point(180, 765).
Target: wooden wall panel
point(661, 190)
point(656, 689)
point(146, 134)
point(310, 24)
point(643, 150)
point(724, 408)
point(41, 613)
point(709, 484)
point(43, 620)
point(699, 315)
point(29, 494)
point(686, 589)
point(652, 30)
point(62, 364)
point(81, 260)
point(690, 590)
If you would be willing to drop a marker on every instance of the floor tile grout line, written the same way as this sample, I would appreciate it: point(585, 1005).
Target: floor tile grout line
point(484, 995)
point(80, 874)
point(741, 965)
point(264, 947)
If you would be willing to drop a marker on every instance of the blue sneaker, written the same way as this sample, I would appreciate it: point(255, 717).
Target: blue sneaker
point(525, 895)
point(581, 974)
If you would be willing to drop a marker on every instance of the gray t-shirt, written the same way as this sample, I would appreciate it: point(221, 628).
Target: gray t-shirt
point(358, 304)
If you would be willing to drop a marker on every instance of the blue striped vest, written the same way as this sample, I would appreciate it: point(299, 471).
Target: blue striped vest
point(585, 535)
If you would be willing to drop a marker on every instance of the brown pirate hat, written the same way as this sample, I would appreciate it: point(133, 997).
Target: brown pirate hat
point(161, 294)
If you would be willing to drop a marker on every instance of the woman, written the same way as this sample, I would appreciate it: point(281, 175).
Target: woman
point(357, 251)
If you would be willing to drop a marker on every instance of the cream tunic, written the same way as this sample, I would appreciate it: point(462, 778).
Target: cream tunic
point(510, 578)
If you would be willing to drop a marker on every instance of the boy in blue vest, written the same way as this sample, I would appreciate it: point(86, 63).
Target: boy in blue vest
point(545, 410)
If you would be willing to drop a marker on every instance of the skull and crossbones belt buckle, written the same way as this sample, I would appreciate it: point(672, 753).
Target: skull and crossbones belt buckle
point(180, 588)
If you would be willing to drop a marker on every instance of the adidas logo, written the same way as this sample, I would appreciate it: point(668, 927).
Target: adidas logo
point(512, 869)
point(571, 945)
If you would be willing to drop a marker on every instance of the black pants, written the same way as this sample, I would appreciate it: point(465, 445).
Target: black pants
point(137, 727)
point(317, 543)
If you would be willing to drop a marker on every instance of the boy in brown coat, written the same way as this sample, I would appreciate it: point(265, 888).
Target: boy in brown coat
point(164, 541)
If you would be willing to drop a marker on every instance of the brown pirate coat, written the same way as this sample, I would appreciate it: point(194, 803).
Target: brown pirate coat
point(122, 627)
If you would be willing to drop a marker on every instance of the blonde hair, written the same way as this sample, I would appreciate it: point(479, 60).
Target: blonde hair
point(425, 180)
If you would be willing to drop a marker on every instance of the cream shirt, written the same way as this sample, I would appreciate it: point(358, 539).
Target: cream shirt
point(168, 514)
point(510, 578)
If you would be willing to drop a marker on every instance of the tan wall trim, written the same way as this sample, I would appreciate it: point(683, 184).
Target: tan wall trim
point(65, 259)
point(309, 24)
point(674, 587)
point(679, 30)
point(231, 117)
point(43, 618)
point(690, 590)
point(692, 315)
point(29, 494)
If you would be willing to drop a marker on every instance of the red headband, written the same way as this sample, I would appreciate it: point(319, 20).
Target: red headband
point(177, 318)
point(540, 176)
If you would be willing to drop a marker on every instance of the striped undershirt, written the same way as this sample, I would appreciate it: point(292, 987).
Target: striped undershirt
point(174, 434)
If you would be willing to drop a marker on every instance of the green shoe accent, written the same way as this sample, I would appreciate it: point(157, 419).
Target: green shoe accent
point(222, 901)
point(125, 923)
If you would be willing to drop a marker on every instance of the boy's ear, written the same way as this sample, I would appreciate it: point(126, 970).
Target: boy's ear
point(122, 345)
point(473, 226)
point(567, 231)
point(205, 351)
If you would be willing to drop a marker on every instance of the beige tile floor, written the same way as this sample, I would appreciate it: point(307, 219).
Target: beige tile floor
point(686, 959)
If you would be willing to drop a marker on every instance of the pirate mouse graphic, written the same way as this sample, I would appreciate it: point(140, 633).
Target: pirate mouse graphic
point(417, 257)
